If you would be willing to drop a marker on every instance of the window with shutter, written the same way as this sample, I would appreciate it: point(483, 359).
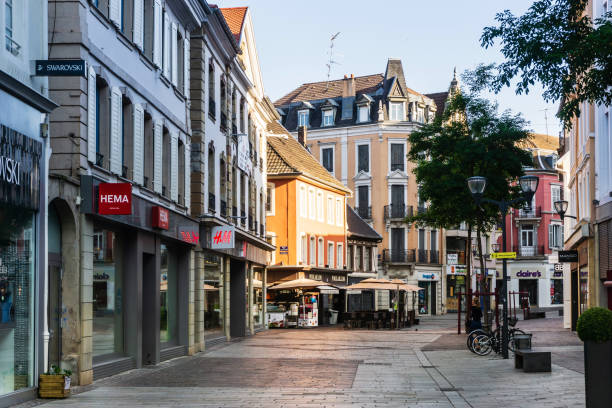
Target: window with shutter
point(187, 175)
point(139, 23)
point(116, 148)
point(138, 159)
point(555, 195)
point(114, 7)
point(397, 157)
point(167, 35)
point(91, 115)
point(174, 167)
point(157, 160)
point(363, 158)
point(174, 53)
point(186, 67)
point(157, 33)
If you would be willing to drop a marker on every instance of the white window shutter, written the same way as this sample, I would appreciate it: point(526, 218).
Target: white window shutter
point(138, 23)
point(116, 128)
point(157, 159)
point(91, 115)
point(114, 11)
point(157, 33)
point(551, 236)
point(187, 188)
point(138, 144)
point(174, 167)
point(174, 51)
point(186, 59)
point(166, 45)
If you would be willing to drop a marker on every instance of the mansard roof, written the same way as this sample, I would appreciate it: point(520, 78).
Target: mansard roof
point(358, 228)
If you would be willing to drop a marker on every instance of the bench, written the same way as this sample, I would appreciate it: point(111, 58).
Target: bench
point(532, 361)
point(536, 315)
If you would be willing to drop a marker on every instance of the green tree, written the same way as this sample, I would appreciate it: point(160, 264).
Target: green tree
point(557, 44)
point(470, 138)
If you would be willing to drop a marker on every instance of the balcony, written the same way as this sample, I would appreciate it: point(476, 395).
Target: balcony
point(398, 256)
point(211, 203)
point(397, 211)
point(528, 213)
point(427, 256)
point(421, 209)
point(364, 212)
point(527, 251)
point(223, 209)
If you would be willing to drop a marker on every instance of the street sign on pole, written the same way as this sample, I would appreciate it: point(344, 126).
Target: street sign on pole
point(503, 255)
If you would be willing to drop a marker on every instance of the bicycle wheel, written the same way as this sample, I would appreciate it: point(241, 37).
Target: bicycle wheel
point(482, 345)
point(513, 333)
point(472, 335)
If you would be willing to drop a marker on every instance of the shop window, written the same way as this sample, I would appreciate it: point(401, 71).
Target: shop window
point(148, 149)
point(127, 139)
point(168, 295)
point(213, 296)
point(258, 311)
point(108, 294)
point(17, 299)
point(166, 168)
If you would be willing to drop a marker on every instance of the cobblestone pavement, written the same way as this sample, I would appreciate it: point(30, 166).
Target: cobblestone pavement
point(336, 368)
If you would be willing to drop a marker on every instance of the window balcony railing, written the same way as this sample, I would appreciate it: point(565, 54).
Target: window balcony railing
point(422, 256)
point(398, 255)
point(434, 256)
point(364, 212)
point(536, 250)
point(428, 256)
point(398, 211)
point(532, 212)
point(223, 209)
point(211, 203)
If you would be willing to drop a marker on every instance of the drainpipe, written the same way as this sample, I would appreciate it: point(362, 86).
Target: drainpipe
point(44, 193)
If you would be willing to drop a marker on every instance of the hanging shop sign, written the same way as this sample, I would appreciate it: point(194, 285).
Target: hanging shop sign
point(19, 169)
point(115, 198)
point(568, 256)
point(428, 276)
point(452, 259)
point(160, 217)
point(189, 234)
point(222, 237)
point(60, 67)
point(456, 269)
point(557, 275)
point(527, 273)
point(284, 249)
point(558, 267)
point(244, 155)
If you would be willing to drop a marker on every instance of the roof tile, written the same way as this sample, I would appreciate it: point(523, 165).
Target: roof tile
point(234, 16)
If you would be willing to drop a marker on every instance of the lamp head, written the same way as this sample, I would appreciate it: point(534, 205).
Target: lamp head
point(529, 185)
point(561, 207)
point(477, 186)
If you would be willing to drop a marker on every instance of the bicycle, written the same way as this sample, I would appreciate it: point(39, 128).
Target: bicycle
point(488, 341)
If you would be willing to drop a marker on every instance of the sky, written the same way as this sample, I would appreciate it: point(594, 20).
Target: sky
point(430, 37)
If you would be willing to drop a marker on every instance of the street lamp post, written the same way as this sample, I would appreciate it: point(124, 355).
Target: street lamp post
point(529, 185)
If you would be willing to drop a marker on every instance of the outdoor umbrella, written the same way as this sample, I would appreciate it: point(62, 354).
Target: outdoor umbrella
point(301, 283)
point(209, 287)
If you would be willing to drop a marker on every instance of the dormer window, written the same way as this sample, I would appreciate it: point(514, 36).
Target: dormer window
point(420, 115)
point(303, 118)
point(364, 114)
point(328, 118)
point(396, 111)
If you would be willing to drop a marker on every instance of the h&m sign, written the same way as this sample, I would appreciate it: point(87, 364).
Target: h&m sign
point(222, 237)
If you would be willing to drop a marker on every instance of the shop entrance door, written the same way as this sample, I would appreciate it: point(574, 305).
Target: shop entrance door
point(424, 297)
point(531, 287)
point(574, 297)
point(432, 307)
point(150, 310)
point(237, 298)
point(54, 309)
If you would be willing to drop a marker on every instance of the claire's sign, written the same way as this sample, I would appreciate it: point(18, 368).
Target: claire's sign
point(115, 198)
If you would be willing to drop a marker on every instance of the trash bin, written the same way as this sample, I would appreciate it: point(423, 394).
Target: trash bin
point(333, 316)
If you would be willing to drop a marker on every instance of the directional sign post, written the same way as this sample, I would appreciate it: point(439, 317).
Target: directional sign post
point(503, 255)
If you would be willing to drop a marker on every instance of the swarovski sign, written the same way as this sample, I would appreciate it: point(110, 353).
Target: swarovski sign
point(9, 170)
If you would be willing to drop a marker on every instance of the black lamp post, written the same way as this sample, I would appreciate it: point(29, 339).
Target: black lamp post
point(529, 185)
point(561, 208)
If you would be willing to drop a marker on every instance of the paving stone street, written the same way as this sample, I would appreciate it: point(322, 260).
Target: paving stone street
point(423, 367)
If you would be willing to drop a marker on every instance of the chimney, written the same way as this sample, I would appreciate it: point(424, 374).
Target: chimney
point(302, 135)
point(348, 97)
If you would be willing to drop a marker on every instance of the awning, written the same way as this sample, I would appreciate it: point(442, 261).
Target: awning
point(328, 290)
point(608, 284)
point(209, 287)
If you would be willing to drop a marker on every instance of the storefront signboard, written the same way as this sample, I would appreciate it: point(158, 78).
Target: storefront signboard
point(160, 217)
point(452, 259)
point(189, 234)
point(60, 67)
point(568, 256)
point(284, 249)
point(115, 198)
point(559, 267)
point(222, 237)
point(557, 275)
point(527, 273)
point(19, 169)
point(456, 269)
point(428, 276)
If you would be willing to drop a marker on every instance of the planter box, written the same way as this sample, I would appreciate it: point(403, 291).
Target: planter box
point(53, 386)
point(598, 374)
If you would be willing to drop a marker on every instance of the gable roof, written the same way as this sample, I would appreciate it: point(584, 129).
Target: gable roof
point(540, 141)
point(358, 228)
point(439, 99)
point(330, 89)
point(234, 17)
point(286, 156)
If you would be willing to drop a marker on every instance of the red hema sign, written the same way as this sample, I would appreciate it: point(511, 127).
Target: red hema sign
point(115, 198)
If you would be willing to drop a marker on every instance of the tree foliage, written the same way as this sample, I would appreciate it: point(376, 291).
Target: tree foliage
point(471, 138)
point(557, 44)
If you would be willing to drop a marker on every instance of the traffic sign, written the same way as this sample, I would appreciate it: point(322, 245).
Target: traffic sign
point(503, 255)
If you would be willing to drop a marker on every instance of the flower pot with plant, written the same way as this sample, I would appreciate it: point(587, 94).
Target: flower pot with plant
point(594, 328)
point(55, 383)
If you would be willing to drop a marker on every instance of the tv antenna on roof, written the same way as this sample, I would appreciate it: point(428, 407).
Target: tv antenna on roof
point(545, 110)
point(331, 61)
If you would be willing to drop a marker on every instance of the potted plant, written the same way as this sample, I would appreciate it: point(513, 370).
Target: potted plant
point(55, 383)
point(594, 328)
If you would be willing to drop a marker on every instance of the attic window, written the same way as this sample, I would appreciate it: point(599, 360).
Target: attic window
point(303, 118)
point(396, 111)
point(364, 113)
point(328, 117)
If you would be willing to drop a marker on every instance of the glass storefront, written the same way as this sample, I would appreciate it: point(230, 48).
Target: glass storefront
point(556, 291)
point(168, 296)
point(107, 293)
point(213, 305)
point(258, 312)
point(454, 285)
point(423, 298)
point(17, 266)
point(584, 289)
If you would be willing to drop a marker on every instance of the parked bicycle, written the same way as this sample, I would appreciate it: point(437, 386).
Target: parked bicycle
point(481, 341)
